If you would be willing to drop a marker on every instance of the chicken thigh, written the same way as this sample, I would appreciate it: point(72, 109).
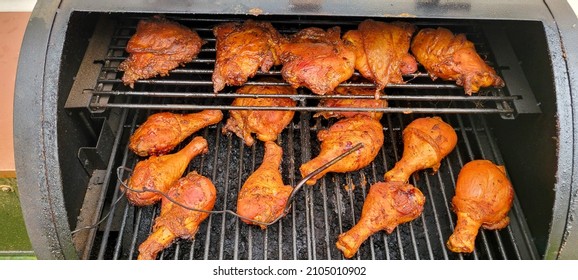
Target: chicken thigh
point(352, 102)
point(158, 46)
point(382, 51)
point(266, 124)
point(452, 57)
point(242, 49)
point(316, 59)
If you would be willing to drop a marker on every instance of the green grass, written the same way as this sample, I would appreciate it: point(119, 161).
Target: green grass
point(14, 242)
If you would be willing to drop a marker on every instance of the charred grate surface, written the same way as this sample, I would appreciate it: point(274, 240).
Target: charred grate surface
point(321, 212)
point(193, 81)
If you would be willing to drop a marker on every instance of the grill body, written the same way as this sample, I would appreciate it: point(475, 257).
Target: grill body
point(73, 119)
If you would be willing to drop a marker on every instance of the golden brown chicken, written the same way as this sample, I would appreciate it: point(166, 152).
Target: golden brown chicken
point(242, 49)
point(387, 205)
point(263, 196)
point(426, 141)
point(353, 103)
point(158, 46)
point(340, 138)
point(316, 59)
point(382, 51)
point(160, 172)
point(162, 132)
point(483, 198)
point(266, 124)
point(452, 57)
point(193, 191)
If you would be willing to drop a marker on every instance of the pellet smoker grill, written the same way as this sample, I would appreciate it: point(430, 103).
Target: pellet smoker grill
point(73, 117)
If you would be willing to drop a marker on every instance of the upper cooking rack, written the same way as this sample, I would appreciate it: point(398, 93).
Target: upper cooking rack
point(190, 87)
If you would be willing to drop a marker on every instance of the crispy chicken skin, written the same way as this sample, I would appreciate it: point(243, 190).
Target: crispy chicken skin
point(242, 49)
point(382, 51)
point(452, 57)
point(341, 137)
point(316, 59)
point(162, 132)
point(193, 191)
point(353, 102)
point(267, 125)
point(158, 46)
point(426, 141)
point(160, 172)
point(263, 196)
point(387, 205)
point(483, 198)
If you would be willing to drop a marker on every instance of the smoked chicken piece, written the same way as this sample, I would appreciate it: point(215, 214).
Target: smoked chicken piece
point(263, 196)
point(158, 46)
point(452, 57)
point(386, 206)
point(162, 132)
point(242, 49)
point(316, 59)
point(353, 102)
point(340, 138)
point(160, 172)
point(483, 198)
point(382, 51)
point(193, 191)
point(426, 141)
point(267, 125)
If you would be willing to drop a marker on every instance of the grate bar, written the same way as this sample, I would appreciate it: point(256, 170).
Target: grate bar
point(210, 83)
point(307, 96)
point(306, 109)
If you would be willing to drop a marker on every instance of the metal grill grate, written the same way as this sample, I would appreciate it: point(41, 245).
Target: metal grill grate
point(319, 213)
point(193, 82)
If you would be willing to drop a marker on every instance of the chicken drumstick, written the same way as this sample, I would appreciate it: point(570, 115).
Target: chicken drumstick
point(194, 191)
point(162, 132)
point(483, 198)
point(263, 196)
point(426, 141)
point(160, 172)
point(387, 205)
point(340, 138)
